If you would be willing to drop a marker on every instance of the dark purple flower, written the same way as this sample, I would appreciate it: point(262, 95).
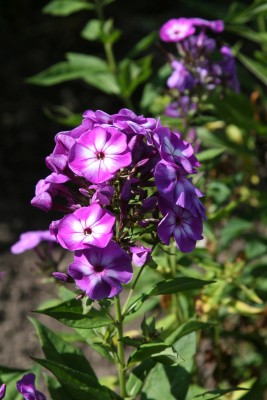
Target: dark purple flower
point(86, 226)
point(50, 187)
point(176, 30)
point(175, 150)
point(100, 272)
point(103, 194)
point(29, 240)
point(62, 277)
point(229, 69)
point(140, 254)
point(98, 154)
point(180, 79)
point(176, 188)
point(180, 108)
point(131, 123)
point(183, 226)
point(26, 387)
point(2, 391)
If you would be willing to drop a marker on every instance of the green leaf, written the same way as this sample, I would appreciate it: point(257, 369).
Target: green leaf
point(169, 286)
point(133, 73)
point(57, 392)
point(257, 68)
point(91, 69)
point(247, 33)
point(137, 377)
point(58, 350)
point(63, 8)
point(186, 328)
point(209, 154)
point(92, 30)
point(160, 352)
point(97, 343)
point(80, 385)
point(175, 285)
point(70, 313)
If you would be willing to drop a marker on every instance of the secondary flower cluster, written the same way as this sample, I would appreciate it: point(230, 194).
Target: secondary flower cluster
point(202, 64)
point(26, 387)
point(117, 177)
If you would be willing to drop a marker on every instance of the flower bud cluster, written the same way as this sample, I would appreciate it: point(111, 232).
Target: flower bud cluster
point(116, 178)
point(202, 63)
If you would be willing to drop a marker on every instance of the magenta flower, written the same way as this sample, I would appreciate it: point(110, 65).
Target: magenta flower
point(26, 387)
point(100, 272)
point(29, 240)
point(2, 391)
point(99, 153)
point(216, 26)
point(176, 30)
point(86, 226)
point(183, 226)
point(140, 254)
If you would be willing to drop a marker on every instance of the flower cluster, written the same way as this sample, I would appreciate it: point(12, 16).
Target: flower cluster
point(113, 177)
point(202, 64)
point(26, 387)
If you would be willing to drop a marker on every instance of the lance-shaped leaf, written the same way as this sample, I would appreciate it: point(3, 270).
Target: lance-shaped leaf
point(79, 385)
point(168, 286)
point(58, 350)
point(186, 328)
point(91, 69)
point(70, 313)
point(62, 8)
point(160, 352)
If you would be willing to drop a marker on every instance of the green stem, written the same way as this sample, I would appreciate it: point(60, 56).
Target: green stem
point(121, 366)
point(132, 290)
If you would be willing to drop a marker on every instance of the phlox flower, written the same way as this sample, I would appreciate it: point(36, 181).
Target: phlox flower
point(100, 272)
point(183, 226)
point(180, 78)
point(31, 239)
point(141, 254)
point(176, 188)
point(86, 226)
point(99, 153)
point(26, 387)
point(176, 30)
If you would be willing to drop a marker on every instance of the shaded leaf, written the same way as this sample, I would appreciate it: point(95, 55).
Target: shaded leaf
point(160, 352)
point(70, 313)
point(63, 8)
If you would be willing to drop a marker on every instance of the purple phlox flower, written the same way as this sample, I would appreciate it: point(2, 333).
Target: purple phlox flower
point(216, 26)
point(131, 123)
point(183, 226)
point(175, 150)
point(98, 117)
point(175, 188)
point(100, 272)
point(58, 160)
point(2, 391)
point(30, 240)
point(176, 30)
point(140, 254)
point(26, 387)
point(149, 204)
point(50, 187)
point(229, 69)
point(98, 154)
point(86, 226)
point(103, 194)
point(180, 78)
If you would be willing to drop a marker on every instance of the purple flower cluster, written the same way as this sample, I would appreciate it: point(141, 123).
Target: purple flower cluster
point(26, 387)
point(202, 65)
point(112, 176)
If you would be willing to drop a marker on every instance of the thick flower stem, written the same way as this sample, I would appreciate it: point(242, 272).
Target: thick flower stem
point(121, 366)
